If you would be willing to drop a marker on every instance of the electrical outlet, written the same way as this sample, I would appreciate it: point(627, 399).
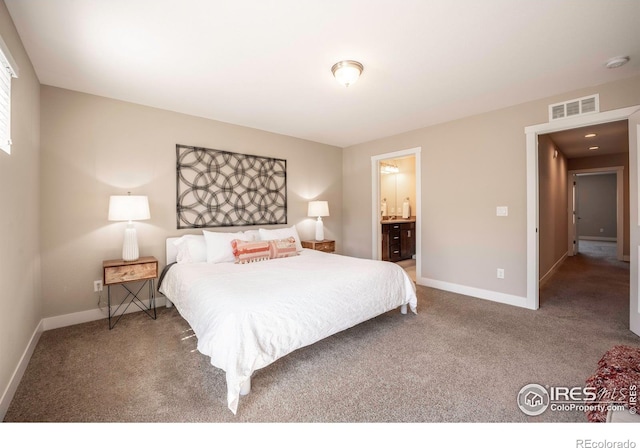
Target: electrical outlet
point(500, 273)
point(97, 286)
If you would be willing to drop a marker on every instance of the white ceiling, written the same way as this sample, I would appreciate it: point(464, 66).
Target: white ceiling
point(266, 64)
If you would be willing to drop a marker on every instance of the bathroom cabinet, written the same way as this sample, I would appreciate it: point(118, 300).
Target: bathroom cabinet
point(398, 240)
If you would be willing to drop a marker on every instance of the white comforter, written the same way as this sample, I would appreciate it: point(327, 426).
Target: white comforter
point(247, 316)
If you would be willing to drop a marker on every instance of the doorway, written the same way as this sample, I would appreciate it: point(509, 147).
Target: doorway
point(632, 114)
point(597, 200)
point(395, 200)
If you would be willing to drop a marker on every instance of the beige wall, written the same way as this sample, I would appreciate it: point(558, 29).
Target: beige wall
point(606, 161)
point(552, 205)
point(468, 167)
point(597, 206)
point(20, 299)
point(94, 147)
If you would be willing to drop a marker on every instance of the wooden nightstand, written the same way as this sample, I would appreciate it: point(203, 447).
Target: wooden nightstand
point(120, 272)
point(323, 246)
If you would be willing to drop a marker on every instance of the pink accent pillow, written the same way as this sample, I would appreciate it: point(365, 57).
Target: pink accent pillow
point(283, 248)
point(250, 251)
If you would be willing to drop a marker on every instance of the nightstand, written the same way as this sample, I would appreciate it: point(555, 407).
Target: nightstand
point(323, 246)
point(120, 272)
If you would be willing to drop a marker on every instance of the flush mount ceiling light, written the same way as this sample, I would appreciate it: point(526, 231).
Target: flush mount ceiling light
point(590, 135)
point(617, 62)
point(593, 148)
point(347, 72)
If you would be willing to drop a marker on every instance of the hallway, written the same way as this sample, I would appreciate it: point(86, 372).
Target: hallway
point(593, 282)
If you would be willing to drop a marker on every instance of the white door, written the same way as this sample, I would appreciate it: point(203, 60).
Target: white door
point(634, 198)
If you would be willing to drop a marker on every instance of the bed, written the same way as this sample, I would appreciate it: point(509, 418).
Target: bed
point(247, 315)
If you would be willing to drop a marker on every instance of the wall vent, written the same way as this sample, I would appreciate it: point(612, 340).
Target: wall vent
point(573, 108)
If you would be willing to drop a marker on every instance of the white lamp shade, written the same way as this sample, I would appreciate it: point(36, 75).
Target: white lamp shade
point(318, 208)
point(128, 208)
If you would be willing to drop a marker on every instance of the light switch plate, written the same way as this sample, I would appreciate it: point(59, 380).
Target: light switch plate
point(502, 211)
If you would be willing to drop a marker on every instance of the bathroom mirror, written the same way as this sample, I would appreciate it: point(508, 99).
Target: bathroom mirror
point(397, 183)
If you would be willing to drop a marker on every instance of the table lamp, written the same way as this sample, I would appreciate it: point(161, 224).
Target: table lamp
point(319, 209)
point(129, 208)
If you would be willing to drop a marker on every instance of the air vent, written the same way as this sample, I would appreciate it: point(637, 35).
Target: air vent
point(573, 108)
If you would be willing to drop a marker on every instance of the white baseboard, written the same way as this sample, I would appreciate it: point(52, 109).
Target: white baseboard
point(66, 320)
point(14, 382)
point(478, 293)
point(598, 238)
point(553, 269)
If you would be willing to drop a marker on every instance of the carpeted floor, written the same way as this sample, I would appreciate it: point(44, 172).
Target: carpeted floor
point(409, 266)
point(460, 359)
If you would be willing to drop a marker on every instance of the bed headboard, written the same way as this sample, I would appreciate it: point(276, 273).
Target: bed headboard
point(172, 250)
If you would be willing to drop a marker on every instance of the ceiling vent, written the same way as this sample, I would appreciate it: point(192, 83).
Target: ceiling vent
point(573, 108)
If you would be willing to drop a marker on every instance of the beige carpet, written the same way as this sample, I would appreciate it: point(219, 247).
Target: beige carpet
point(460, 359)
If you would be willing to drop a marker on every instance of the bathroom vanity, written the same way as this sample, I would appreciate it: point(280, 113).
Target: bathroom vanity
point(398, 239)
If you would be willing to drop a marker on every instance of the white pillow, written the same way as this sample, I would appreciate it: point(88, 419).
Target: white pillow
point(254, 235)
point(219, 248)
point(280, 234)
point(191, 249)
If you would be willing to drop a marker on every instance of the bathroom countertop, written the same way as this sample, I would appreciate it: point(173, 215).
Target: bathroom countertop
point(400, 220)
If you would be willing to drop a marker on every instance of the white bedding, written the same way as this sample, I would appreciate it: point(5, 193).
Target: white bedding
point(246, 316)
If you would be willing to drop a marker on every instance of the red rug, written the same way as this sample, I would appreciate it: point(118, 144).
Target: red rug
point(617, 380)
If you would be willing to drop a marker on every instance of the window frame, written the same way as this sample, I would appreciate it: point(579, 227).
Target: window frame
point(8, 71)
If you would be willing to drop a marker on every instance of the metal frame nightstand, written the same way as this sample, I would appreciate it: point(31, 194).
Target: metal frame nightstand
point(120, 272)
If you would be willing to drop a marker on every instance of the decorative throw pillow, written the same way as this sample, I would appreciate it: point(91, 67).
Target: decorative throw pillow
point(278, 234)
point(219, 246)
point(283, 248)
point(191, 249)
point(250, 251)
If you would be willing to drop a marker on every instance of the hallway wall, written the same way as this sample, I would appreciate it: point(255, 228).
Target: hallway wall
point(552, 197)
point(597, 206)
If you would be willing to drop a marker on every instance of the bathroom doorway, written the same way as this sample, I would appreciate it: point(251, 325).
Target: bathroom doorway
point(396, 222)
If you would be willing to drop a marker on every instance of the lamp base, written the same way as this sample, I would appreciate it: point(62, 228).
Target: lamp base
point(130, 246)
point(319, 229)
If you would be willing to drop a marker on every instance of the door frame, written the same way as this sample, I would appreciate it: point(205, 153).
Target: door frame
point(376, 229)
point(532, 132)
point(620, 200)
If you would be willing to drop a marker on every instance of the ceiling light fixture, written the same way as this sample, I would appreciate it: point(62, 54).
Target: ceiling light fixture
point(590, 135)
point(617, 62)
point(347, 72)
point(593, 148)
point(389, 168)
